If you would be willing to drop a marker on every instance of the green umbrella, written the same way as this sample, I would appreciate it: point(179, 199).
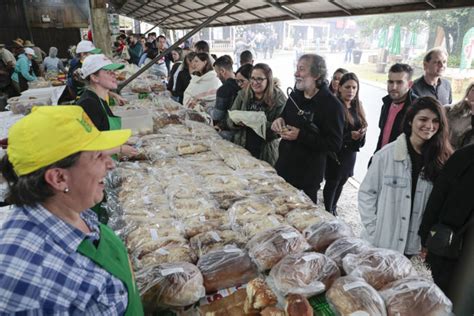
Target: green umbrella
point(394, 46)
point(383, 35)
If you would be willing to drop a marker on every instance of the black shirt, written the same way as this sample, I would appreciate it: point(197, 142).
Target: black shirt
point(182, 82)
point(416, 166)
point(253, 142)
point(95, 109)
point(225, 97)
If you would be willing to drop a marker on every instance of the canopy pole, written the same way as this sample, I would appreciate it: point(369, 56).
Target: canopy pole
point(179, 42)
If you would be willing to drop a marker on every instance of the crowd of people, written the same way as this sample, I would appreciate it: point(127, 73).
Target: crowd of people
point(416, 183)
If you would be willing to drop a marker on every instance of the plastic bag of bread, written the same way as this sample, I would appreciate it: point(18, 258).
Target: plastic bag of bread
point(205, 242)
point(298, 305)
point(345, 245)
point(267, 222)
point(226, 268)
point(170, 285)
point(302, 218)
point(270, 246)
point(249, 210)
point(259, 296)
point(166, 254)
point(320, 235)
point(415, 296)
point(378, 266)
point(350, 295)
point(307, 273)
point(231, 305)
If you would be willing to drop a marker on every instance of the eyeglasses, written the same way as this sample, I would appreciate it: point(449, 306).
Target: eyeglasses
point(257, 80)
point(241, 81)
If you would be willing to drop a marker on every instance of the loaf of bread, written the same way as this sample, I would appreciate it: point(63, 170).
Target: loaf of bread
point(170, 285)
point(205, 242)
point(272, 311)
point(378, 266)
point(414, 296)
point(345, 245)
point(270, 246)
point(307, 273)
point(298, 305)
point(232, 305)
point(259, 296)
point(226, 268)
point(350, 295)
point(302, 218)
point(266, 222)
point(249, 210)
point(320, 235)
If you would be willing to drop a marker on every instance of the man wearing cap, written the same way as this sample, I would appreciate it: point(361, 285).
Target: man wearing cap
point(55, 257)
point(83, 49)
point(23, 72)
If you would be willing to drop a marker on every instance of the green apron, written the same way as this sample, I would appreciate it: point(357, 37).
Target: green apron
point(115, 123)
point(112, 256)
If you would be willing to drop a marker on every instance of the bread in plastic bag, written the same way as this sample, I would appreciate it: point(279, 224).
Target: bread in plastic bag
point(321, 234)
point(170, 285)
point(259, 296)
point(226, 268)
point(345, 245)
point(270, 246)
point(249, 210)
point(252, 228)
point(307, 273)
point(302, 218)
point(350, 295)
point(378, 266)
point(414, 296)
point(208, 241)
point(166, 254)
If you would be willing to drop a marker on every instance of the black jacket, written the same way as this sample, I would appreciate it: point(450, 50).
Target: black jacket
point(451, 201)
point(302, 162)
point(397, 124)
point(182, 82)
point(96, 109)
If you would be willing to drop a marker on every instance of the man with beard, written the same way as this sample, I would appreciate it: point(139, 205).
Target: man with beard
point(431, 84)
point(400, 97)
point(311, 127)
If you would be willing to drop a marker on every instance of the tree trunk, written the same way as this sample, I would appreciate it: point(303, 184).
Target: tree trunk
point(465, 23)
point(100, 26)
point(431, 37)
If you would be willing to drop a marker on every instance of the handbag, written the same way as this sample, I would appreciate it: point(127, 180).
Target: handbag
point(443, 241)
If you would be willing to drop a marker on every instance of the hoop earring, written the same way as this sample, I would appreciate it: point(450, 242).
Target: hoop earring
point(66, 190)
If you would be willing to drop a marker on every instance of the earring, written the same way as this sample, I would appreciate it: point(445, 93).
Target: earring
point(66, 190)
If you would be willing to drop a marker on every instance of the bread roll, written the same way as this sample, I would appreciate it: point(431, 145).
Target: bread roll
point(270, 246)
point(378, 266)
point(259, 296)
point(232, 305)
point(320, 235)
point(170, 285)
point(415, 296)
point(298, 305)
point(350, 295)
point(307, 273)
point(226, 268)
point(343, 246)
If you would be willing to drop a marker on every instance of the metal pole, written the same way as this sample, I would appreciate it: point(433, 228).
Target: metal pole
point(179, 42)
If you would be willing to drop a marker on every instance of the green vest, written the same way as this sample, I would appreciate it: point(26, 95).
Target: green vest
point(112, 256)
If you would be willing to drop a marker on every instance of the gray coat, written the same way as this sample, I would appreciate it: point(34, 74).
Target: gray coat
point(385, 200)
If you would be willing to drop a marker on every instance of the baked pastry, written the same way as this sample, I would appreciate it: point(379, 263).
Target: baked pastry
point(320, 235)
point(302, 218)
point(167, 254)
point(298, 305)
point(415, 296)
point(205, 242)
point(272, 311)
point(191, 148)
point(270, 221)
point(270, 246)
point(345, 245)
point(259, 296)
point(232, 305)
point(307, 273)
point(249, 210)
point(350, 295)
point(170, 285)
point(225, 268)
point(378, 266)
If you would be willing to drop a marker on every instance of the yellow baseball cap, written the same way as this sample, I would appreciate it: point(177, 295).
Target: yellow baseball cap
point(51, 133)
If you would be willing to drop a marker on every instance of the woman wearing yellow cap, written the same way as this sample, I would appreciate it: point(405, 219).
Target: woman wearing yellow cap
point(55, 257)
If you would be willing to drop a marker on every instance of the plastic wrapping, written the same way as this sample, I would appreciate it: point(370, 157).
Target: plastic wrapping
point(270, 246)
point(259, 296)
point(302, 218)
point(170, 285)
point(346, 245)
point(350, 295)
point(320, 235)
point(378, 266)
point(307, 273)
point(208, 241)
point(415, 296)
point(250, 229)
point(225, 268)
point(23, 105)
point(249, 210)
